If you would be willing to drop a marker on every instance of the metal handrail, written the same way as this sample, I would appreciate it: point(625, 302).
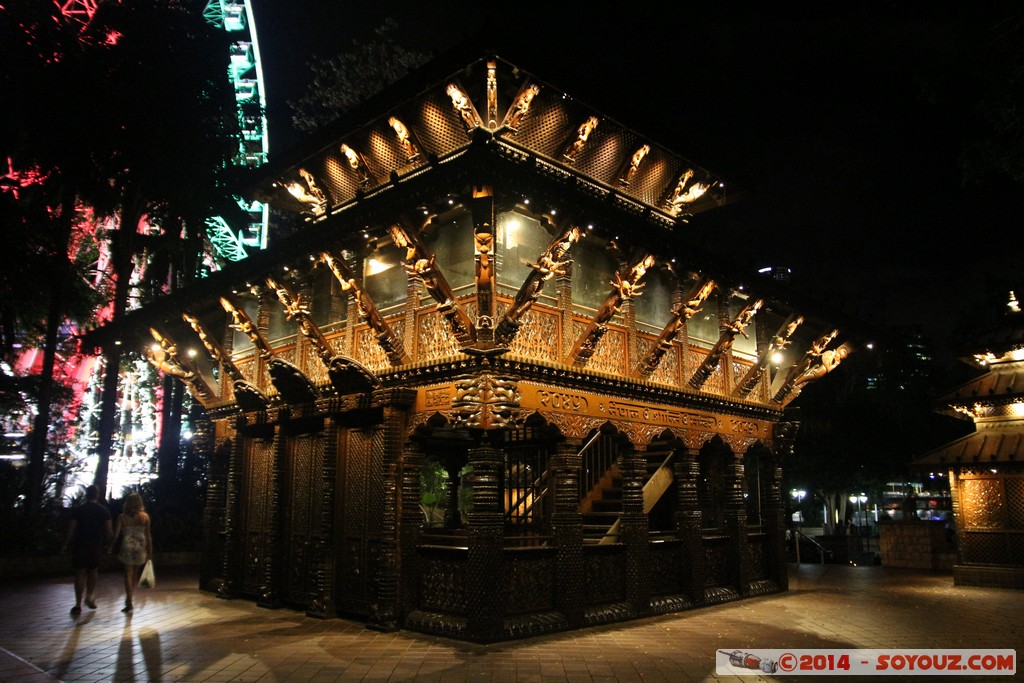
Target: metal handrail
point(820, 547)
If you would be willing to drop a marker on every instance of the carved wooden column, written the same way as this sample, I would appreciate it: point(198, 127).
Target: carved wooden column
point(410, 526)
point(396, 403)
point(774, 522)
point(482, 209)
point(567, 529)
point(633, 529)
point(323, 605)
point(686, 471)
point(725, 364)
point(232, 543)
point(736, 515)
point(563, 291)
point(274, 561)
point(348, 337)
point(265, 300)
point(216, 457)
point(485, 536)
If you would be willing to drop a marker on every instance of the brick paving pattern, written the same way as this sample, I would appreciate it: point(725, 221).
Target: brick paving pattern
point(178, 633)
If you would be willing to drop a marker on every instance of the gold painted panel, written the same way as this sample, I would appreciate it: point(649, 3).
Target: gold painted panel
point(538, 337)
point(434, 338)
point(982, 503)
point(548, 399)
point(610, 355)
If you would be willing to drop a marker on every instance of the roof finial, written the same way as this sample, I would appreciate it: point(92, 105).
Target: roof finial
point(1013, 303)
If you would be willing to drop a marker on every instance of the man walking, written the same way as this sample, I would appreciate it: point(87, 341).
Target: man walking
point(88, 536)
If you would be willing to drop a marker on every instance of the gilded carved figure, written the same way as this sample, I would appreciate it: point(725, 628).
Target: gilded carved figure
point(463, 107)
point(634, 164)
point(412, 152)
point(519, 109)
point(582, 135)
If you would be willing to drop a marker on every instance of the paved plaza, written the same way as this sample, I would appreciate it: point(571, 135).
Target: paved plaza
point(178, 633)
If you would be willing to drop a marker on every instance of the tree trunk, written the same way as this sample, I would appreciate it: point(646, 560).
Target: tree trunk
point(40, 427)
point(170, 432)
point(123, 248)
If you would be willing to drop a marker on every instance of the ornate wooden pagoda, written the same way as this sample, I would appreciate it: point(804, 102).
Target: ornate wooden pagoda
point(986, 468)
point(488, 390)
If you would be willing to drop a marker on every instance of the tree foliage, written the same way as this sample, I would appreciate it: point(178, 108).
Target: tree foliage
point(341, 82)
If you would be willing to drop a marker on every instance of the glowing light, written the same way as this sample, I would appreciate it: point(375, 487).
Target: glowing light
point(376, 266)
point(777, 358)
point(191, 353)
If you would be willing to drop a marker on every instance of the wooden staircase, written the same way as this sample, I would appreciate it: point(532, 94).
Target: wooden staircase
point(602, 506)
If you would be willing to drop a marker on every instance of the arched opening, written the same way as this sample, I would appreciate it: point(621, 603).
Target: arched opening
point(711, 489)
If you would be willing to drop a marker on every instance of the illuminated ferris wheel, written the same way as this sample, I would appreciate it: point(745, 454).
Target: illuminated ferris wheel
point(236, 17)
point(244, 70)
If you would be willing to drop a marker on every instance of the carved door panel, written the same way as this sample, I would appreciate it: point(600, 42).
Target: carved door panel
point(303, 508)
point(359, 516)
point(256, 533)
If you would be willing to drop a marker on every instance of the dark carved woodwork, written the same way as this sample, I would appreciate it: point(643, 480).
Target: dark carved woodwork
point(778, 342)
point(686, 471)
point(604, 576)
point(164, 356)
point(482, 208)
point(485, 522)
point(293, 386)
point(567, 529)
point(813, 354)
point(302, 514)
point(421, 265)
point(286, 377)
point(360, 510)
point(247, 395)
point(682, 312)
point(217, 455)
point(385, 613)
point(725, 341)
point(485, 401)
point(410, 527)
point(350, 377)
point(550, 263)
point(272, 550)
point(736, 523)
point(624, 288)
point(322, 602)
point(774, 523)
point(389, 341)
point(633, 530)
point(233, 522)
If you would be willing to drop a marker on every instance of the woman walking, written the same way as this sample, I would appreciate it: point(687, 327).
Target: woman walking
point(137, 546)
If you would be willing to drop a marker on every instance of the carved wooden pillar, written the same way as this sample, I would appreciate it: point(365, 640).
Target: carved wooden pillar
point(410, 527)
point(396, 403)
point(216, 456)
point(686, 471)
point(482, 209)
point(348, 338)
point(563, 291)
point(232, 542)
point(323, 604)
point(567, 529)
point(264, 302)
point(762, 340)
point(725, 363)
point(633, 529)
point(274, 562)
point(485, 534)
point(736, 516)
point(628, 313)
point(774, 522)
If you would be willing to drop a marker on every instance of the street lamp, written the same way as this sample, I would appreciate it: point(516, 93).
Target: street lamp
point(859, 500)
point(798, 517)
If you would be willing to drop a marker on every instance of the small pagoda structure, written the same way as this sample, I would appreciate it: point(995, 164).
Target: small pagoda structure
point(490, 389)
point(986, 467)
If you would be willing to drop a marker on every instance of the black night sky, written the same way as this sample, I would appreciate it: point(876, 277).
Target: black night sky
point(847, 126)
